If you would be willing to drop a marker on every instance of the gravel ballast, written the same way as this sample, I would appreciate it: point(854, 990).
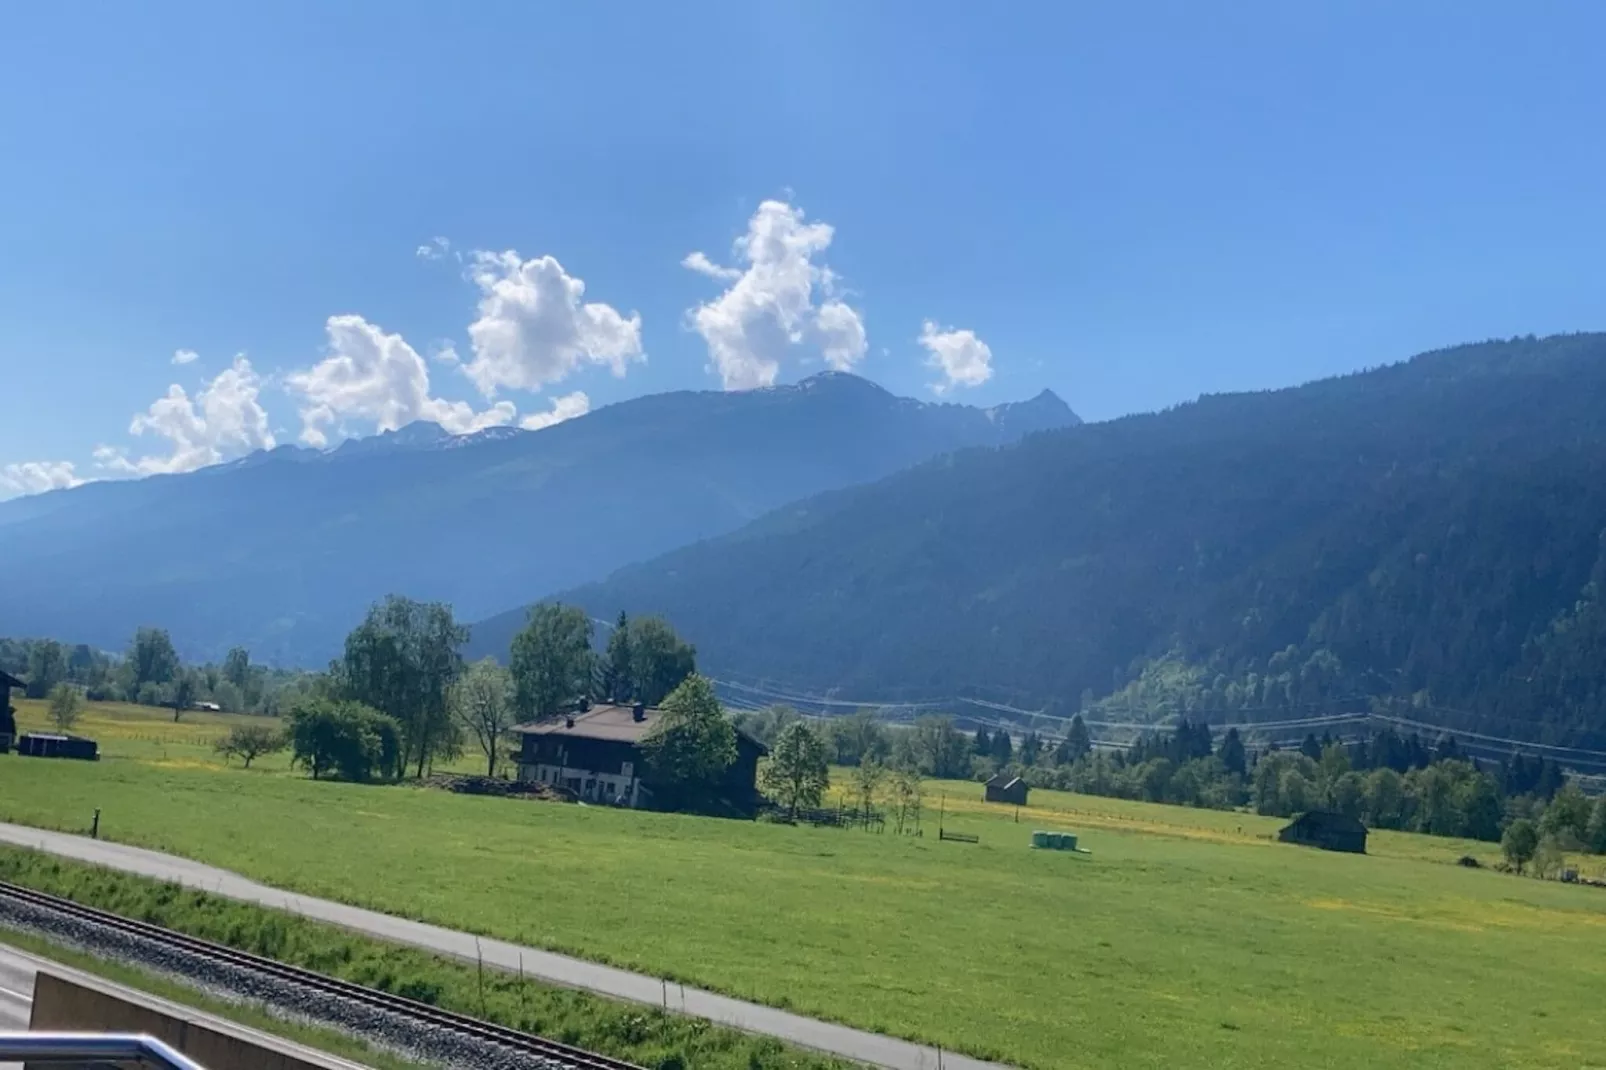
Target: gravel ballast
point(283, 998)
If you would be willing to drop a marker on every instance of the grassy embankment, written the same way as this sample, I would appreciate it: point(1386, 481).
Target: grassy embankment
point(1188, 939)
point(648, 1037)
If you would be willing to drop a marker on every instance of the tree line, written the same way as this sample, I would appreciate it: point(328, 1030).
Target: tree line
point(149, 673)
point(1388, 780)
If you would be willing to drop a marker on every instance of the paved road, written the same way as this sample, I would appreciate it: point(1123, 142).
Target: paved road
point(837, 1040)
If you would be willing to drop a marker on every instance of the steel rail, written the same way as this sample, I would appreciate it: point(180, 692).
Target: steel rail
point(489, 1032)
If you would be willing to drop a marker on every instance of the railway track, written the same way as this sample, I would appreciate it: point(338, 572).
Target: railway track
point(423, 1013)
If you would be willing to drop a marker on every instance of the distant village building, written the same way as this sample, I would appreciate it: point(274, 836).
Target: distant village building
point(8, 716)
point(1004, 788)
point(595, 755)
point(1329, 831)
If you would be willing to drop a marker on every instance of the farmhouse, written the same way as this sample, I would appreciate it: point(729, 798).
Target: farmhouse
point(8, 716)
point(1004, 788)
point(1329, 831)
point(595, 754)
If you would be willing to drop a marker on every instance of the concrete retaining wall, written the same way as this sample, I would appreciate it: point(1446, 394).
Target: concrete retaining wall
point(70, 1001)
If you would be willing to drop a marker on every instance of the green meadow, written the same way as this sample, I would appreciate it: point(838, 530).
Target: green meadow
point(1186, 939)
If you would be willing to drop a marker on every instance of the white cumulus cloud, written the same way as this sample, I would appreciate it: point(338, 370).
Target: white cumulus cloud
point(35, 477)
point(433, 249)
point(770, 305)
point(534, 327)
point(370, 375)
point(224, 419)
point(700, 263)
point(185, 356)
point(961, 357)
point(563, 408)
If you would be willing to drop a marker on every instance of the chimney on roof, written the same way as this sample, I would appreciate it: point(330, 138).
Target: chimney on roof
point(585, 704)
point(568, 722)
point(638, 712)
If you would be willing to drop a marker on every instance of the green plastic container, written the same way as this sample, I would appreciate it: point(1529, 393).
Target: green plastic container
point(1040, 839)
point(1067, 841)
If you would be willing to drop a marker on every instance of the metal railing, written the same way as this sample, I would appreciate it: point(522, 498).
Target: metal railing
point(36, 1049)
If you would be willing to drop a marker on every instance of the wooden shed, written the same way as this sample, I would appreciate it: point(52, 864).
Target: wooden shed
point(57, 745)
point(1329, 831)
point(1004, 788)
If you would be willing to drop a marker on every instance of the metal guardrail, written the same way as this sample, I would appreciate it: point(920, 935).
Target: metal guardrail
point(38, 1048)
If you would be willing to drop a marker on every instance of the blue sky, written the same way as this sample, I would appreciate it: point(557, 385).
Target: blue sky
point(1129, 203)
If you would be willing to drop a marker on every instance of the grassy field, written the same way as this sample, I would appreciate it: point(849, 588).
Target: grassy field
point(1188, 938)
point(649, 1038)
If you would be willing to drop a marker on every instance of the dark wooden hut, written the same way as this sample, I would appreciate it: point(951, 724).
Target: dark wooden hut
point(1329, 831)
point(1004, 788)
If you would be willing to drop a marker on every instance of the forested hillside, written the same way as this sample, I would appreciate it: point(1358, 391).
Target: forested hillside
point(284, 551)
point(1427, 535)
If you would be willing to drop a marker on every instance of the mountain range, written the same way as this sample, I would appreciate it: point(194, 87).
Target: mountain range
point(1425, 536)
point(282, 551)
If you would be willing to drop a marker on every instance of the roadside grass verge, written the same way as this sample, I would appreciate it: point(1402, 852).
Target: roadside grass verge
point(651, 1038)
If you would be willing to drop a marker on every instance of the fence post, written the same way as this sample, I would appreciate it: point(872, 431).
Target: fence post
point(479, 955)
point(94, 828)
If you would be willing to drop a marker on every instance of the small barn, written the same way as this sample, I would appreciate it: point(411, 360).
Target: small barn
point(1329, 831)
point(8, 716)
point(56, 745)
point(1004, 788)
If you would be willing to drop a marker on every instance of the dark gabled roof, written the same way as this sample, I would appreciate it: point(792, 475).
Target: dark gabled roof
point(1327, 820)
point(614, 724)
point(617, 724)
point(9, 681)
point(1004, 780)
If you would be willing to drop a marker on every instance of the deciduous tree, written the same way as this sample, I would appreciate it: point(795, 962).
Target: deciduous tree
point(938, 749)
point(47, 667)
point(237, 668)
point(797, 772)
point(867, 777)
point(1595, 834)
point(65, 704)
point(618, 669)
point(691, 746)
point(151, 657)
point(1566, 817)
point(1519, 843)
point(659, 659)
point(249, 742)
point(404, 660)
point(857, 738)
point(551, 660)
point(182, 693)
point(347, 738)
point(483, 706)
point(907, 792)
